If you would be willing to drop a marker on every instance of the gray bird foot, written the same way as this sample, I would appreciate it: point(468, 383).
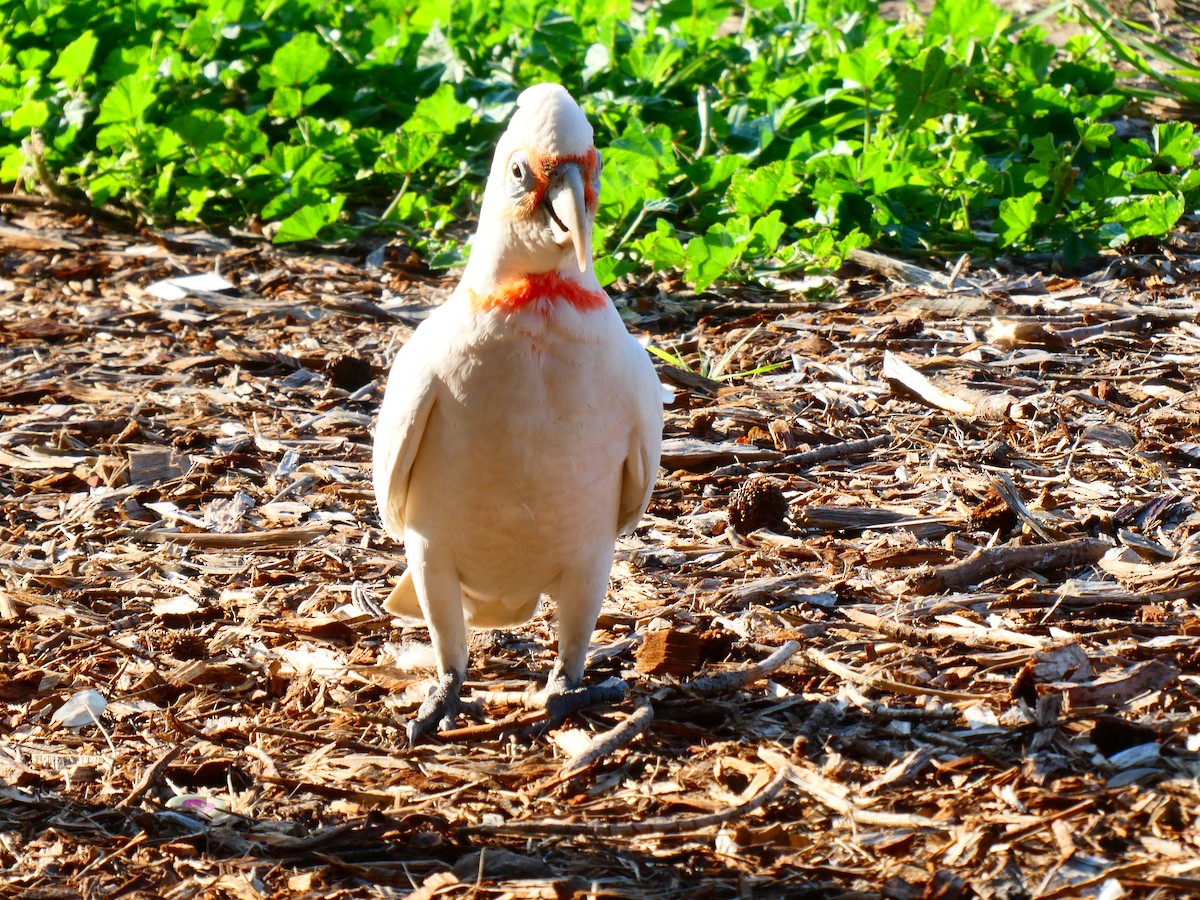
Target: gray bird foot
point(562, 699)
point(440, 708)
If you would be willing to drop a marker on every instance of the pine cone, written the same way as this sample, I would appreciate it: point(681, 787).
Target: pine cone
point(758, 503)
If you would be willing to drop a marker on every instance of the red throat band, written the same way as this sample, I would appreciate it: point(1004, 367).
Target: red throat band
point(545, 289)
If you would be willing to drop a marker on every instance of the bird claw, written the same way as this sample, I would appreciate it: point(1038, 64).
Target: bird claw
point(440, 708)
point(562, 699)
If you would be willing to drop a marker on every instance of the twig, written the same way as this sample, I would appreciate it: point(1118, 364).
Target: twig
point(1033, 828)
point(987, 563)
point(150, 776)
point(898, 270)
point(1008, 493)
point(864, 518)
point(896, 713)
point(833, 667)
point(160, 659)
point(806, 459)
point(487, 730)
point(954, 398)
point(34, 148)
point(957, 271)
point(269, 539)
point(944, 635)
point(606, 742)
point(823, 791)
point(658, 826)
point(728, 682)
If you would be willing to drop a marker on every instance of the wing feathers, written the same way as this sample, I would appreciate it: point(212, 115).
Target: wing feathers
point(641, 464)
point(407, 404)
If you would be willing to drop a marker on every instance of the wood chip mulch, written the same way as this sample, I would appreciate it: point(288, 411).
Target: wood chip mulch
point(915, 612)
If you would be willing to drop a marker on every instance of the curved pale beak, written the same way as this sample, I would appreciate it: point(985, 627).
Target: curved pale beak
point(564, 201)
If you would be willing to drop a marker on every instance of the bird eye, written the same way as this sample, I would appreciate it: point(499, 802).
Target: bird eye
point(521, 180)
point(519, 170)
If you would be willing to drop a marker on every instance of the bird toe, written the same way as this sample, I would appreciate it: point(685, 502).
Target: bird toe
point(562, 699)
point(440, 708)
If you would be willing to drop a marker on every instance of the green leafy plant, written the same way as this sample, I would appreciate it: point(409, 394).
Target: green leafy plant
point(731, 153)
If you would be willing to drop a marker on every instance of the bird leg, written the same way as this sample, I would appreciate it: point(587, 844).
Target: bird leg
point(440, 708)
point(579, 597)
point(435, 582)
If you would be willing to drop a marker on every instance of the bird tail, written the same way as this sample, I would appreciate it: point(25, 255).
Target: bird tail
point(402, 601)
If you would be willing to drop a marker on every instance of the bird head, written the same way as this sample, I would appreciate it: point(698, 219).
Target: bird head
point(540, 201)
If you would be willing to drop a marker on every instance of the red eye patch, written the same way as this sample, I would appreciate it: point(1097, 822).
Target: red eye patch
point(543, 166)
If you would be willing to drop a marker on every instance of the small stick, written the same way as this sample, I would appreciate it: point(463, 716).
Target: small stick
point(150, 776)
point(810, 783)
point(957, 271)
point(728, 682)
point(893, 713)
point(806, 459)
point(487, 730)
point(943, 636)
point(898, 270)
point(1008, 493)
point(833, 667)
point(606, 742)
point(987, 563)
point(650, 827)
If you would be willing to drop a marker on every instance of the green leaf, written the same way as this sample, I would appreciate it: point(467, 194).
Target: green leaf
point(127, 100)
point(927, 92)
point(1175, 143)
point(1148, 216)
point(609, 268)
point(711, 255)
point(76, 58)
point(439, 113)
point(1017, 216)
point(595, 62)
point(662, 248)
point(286, 102)
point(766, 234)
point(753, 191)
point(308, 221)
point(32, 114)
point(1094, 135)
point(297, 62)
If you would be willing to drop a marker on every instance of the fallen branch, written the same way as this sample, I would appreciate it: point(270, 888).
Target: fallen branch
point(150, 776)
point(988, 563)
point(886, 713)
point(863, 518)
point(898, 270)
point(806, 459)
point(269, 539)
point(689, 452)
point(1012, 498)
point(833, 667)
point(488, 730)
point(954, 398)
point(944, 635)
point(728, 682)
point(826, 792)
point(657, 827)
point(605, 743)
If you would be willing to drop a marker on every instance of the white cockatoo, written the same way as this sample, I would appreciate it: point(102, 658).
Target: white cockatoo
point(521, 427)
